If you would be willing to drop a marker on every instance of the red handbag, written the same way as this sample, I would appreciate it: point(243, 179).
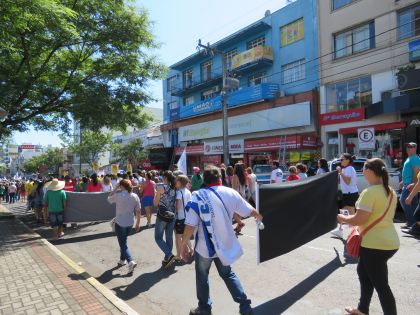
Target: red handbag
point(354, 240)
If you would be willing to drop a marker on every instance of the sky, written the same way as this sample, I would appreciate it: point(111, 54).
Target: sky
point(177, 25)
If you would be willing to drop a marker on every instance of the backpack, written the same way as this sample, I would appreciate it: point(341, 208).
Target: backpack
point(167, 207)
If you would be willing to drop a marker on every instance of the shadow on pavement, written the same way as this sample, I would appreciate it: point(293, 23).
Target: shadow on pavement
point(282, 303)
point(108, 275)
point(143, 283)
point(83, 238)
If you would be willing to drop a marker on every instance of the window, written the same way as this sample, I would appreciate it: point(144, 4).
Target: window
point(257, 78)
point(208, 94)
point(229, 56)
point(349, 94)
point(188, 75)
point(188, 100)
point(409, 22)
point(355, 40)
point(206, 70)
point(172, 105)
point(294, 71)
point(260, 41)
point(171, 83)
point(337, 4)
point(292, 32)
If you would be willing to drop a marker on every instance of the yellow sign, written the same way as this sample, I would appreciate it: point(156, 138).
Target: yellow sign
point(292, 32)
point(130, 168)
point(95, 167)
point(306, 156)
point(65, 173)
point(294, 157)
point(114, 169)
point(252, 55)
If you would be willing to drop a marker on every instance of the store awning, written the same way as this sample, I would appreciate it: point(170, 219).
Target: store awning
point(381, 127)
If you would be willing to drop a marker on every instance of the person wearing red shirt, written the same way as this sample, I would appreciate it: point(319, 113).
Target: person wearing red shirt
point(293, 174)
point(68, 184)
point(94, 185)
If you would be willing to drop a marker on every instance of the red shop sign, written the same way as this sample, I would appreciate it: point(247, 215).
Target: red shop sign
point(342, 116)
point(211, 159)
point(309, 142)
point(270, 144)
point(191, 149)
point(145, 164)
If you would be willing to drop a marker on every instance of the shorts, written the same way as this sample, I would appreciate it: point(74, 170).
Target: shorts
point(147, 201)
point(350, 199)
point(179, 226)
point(56, 219)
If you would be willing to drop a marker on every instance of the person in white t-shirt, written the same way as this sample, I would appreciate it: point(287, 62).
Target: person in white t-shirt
point(276, 174)
point(106, 185)
point(350, 192)
point(212, 209)
point(183, 195)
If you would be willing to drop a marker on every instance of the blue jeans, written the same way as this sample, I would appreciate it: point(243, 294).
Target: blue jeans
point(408, 209)
point(167, 228)
point(122, 235)
point(202, 268)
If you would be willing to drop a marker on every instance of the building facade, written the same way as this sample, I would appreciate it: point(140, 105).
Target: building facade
point(366, 50)
point(274, 109)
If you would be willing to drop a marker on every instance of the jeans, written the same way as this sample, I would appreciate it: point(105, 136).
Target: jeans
point(167, 227)
point(12, 197)
point(373, 274)
point(122, 235)
point(408, 209)
point(202, 268)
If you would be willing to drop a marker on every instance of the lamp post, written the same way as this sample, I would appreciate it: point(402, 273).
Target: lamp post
point(227, 83)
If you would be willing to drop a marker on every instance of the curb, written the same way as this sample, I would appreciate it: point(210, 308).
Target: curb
point(6, 214)
point(107, 293)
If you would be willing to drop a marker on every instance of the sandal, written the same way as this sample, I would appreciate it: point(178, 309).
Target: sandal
point(353, 311)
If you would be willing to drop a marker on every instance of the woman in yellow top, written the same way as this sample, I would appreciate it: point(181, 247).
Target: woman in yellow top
point(380, 243)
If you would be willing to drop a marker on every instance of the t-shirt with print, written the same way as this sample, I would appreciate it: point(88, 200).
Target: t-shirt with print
point(408, 170)
point(184, 195)
point(351, 188)
point(277, 175)
point(54, 200)
point(383, 235)
point(234, 204)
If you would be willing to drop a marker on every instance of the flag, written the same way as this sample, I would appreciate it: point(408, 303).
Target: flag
point(95, 166)
point(114, 169)
point(296, 213)
point(182, 162)
point(129, 168)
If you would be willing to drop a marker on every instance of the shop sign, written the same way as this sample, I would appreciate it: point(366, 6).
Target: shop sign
point(201, 107)
point(414, 50)
point(211, 159)
point(342, 116)
point(27, 147)
point(216, 147)
point(191, 149)
point(366, 138)
point(415, 122)
point(252, 55)
point(275, 143)
point(288, 116)
point(309, 142)
point(145, 164)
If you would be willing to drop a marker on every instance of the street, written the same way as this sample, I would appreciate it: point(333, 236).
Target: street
point(314, 279)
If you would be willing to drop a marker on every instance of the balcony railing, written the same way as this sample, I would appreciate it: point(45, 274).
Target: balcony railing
point(240, 97)
point(197, 83)
point(253, 58)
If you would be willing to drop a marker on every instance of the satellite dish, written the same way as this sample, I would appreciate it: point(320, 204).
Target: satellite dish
point(267, 13)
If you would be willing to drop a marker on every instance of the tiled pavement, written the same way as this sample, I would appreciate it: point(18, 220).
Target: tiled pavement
point(34, 280)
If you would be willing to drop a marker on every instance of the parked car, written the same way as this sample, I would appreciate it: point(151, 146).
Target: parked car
point(394, 176)
point(263, 172)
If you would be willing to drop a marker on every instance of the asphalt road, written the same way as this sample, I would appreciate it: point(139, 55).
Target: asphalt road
point(314, 279)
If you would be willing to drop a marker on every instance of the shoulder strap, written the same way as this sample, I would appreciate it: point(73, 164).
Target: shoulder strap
point(370, 226)
point(183, 203)
point(220, 198)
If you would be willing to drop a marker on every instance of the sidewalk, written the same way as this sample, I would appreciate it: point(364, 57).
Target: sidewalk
point(35, 280)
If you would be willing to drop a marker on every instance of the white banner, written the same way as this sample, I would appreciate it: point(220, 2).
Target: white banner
point(182, 162)
point(216, 147)
point(366, 138)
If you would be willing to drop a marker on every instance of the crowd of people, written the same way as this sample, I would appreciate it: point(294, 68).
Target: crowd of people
point(210, 202)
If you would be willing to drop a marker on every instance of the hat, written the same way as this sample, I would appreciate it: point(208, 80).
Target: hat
point(411, 145)
point(55, 184)
point(196, 169)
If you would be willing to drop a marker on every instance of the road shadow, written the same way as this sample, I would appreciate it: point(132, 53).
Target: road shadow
point(143, 283)
point(280, 304)
point(108, 275)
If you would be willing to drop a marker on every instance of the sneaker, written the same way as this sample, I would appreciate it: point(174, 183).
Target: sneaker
point(170, 261)
point(415, 230)
point(122, 262)
point(200, 311)
point(131, 265)
point(337, 233)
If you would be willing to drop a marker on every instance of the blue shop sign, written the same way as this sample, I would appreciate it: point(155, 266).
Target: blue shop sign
point(174, 113)
point(414, 50)
point(201, 107)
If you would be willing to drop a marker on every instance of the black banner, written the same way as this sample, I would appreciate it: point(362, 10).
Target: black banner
point(296, 212)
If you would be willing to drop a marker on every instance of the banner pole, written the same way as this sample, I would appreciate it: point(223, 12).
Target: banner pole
point(257, 206)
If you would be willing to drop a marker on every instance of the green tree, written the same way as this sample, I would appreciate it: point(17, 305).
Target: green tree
point(92, 145)
point(88, 60)
point(132, 152)
point(52, 158)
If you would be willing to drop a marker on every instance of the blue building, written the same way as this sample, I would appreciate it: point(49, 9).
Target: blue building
point(276, 104)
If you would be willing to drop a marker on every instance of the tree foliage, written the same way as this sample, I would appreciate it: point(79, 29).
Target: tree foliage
point(90, 60)
point(132, 152)
point(92, 145)
point(52, 158)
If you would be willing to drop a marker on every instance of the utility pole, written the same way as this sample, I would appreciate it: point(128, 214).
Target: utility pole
point(228, 83)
